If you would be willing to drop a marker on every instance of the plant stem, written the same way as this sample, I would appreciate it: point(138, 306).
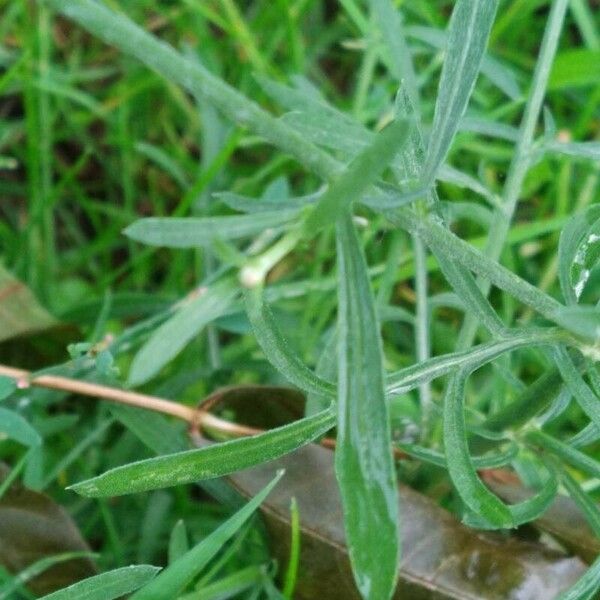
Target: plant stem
point(519, 165)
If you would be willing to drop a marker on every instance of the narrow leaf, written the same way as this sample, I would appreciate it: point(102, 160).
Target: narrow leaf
point(468, 32)
point(206, 463)
point(109, 585)
point(278, 351)
point(356, 178)
point(585, 397)
point(460, 465)
point(194, 232)
point(363, 463)
point(177, 576)
point(167, 341)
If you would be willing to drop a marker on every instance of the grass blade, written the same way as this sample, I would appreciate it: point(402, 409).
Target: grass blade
point(363, 461)
point(468, 33)
point(206, 463)
point(109, 585)
point(177, 576)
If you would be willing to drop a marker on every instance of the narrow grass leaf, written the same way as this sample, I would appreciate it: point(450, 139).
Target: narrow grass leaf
point(363, 460)
point(278, 351)
point(358, 176)
point(167, 341)
point(109, 585)
point(460, 465)
point(195, 232)
point(177, 576)
point(178, 541)
point(206, 463)
point(468, 32)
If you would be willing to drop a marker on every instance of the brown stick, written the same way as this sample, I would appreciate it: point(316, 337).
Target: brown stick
point(25, 379)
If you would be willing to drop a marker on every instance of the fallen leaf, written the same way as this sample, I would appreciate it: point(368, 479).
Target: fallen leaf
point(33, 527)
point(442, 559)
point(20, 312)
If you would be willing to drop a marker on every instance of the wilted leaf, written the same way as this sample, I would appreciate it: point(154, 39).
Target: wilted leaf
point(20, 312)
point(33, 527)
point(442, 559)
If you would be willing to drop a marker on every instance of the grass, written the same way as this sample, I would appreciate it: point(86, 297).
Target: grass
point(442, 210)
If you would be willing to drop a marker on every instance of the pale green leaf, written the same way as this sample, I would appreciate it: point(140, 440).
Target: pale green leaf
point(109, 585)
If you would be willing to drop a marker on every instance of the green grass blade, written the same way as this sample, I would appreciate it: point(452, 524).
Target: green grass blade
point(358, 176)
point(170, 338)
point(468, 32)
point(206, 463)
point(177, 576)
point(195, 232)
point(363, 459)
point(109, 585)
point(470, 488)
point(278, 351)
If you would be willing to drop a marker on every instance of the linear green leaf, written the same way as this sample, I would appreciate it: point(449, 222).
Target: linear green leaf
point(109, 585)
point(585, 397)
point(363, 460)
point(278, 351)
point(468, 32)
point(170, 338)
point(490, 461)
point(177, 576)
point(194, 232)
point(362, 172)
point(460, 465)
point(206, 463)
point(410, 377)
point(565, 452)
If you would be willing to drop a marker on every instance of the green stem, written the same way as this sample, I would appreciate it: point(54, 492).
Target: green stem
point(520, 163)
